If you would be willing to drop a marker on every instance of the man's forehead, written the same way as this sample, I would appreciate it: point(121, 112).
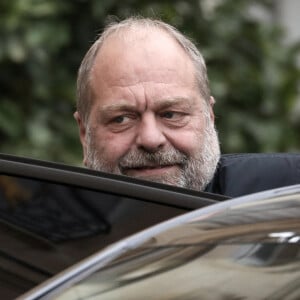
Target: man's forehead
point(143, 40)
point(124, 57)
point(141, 57)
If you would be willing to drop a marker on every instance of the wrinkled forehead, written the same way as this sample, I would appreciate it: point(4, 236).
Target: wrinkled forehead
point(125, 40)
point(141, 53)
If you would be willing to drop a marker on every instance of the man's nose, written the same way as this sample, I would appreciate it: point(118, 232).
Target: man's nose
point(150, 136)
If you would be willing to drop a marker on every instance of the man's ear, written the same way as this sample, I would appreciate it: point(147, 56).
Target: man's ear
point(211, 108)
point(82, 134)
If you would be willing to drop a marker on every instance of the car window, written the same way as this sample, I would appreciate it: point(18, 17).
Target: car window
point(46, 227)
point(52, 216)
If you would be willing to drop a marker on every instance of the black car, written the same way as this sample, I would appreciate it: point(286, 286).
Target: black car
point(73, 233)
point(53, 215)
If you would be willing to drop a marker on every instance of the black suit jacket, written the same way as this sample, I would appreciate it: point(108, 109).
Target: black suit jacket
point(241, 174)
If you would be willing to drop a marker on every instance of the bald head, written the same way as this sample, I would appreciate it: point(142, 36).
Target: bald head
point(125, 36)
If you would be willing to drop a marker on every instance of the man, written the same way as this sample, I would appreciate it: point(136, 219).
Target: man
point(144, 109)
point(144, 106)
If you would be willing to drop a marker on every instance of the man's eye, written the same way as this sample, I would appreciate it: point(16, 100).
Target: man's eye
point(120, 123)
point(119, 119)
point(168, 115)
point(175, 118)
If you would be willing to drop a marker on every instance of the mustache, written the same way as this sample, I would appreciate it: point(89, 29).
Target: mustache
point(140, 159)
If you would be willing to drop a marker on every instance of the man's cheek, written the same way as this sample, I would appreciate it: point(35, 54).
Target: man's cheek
point(113, 150)
point(186, 143)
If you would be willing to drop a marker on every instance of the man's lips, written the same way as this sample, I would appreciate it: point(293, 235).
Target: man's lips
point(148, 170)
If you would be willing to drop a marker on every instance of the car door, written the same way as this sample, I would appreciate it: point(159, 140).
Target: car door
point(52, 216)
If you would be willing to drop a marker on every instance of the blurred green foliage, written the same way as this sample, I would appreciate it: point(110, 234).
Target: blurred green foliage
point(254, 76)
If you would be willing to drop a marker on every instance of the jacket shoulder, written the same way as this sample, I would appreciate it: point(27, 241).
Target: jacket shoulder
point(241, 174)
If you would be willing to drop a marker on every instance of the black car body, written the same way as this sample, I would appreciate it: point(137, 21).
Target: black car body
point(52, 216)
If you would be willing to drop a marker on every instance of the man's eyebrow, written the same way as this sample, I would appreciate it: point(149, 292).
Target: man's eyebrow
point(116, 107)
point(168, 102)
point(160, 105)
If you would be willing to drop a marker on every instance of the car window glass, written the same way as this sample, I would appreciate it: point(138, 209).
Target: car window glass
point(45, 227)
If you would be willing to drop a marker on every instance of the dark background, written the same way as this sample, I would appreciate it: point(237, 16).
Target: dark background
point(253, 72)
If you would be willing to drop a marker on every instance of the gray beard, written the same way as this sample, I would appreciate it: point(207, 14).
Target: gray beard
point(194, 172)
